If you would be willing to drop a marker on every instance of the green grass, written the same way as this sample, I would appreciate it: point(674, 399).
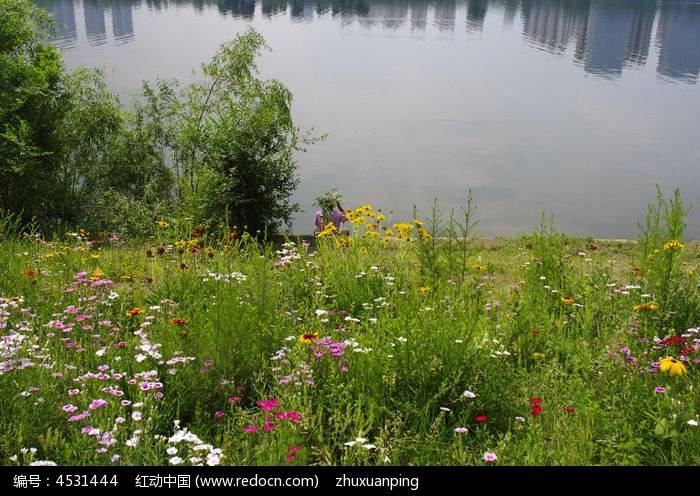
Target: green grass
point(401, 347)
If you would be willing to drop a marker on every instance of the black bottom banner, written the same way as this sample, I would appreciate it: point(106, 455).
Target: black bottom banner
point(373, 479)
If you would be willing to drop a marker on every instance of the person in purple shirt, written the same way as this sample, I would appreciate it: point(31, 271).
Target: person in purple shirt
point(337, 217)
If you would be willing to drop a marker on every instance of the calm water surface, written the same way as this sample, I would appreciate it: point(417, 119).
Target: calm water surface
point(574, 109)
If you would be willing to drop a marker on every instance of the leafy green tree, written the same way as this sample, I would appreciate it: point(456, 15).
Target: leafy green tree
point(221, 151)
point(236, 142)
point(119, 158)
point(32, 101)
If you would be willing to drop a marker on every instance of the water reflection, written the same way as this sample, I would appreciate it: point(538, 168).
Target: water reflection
point(678, 39)
point(64, 12)
point(605, 37)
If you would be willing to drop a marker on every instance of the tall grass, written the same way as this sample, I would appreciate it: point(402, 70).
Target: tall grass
point(403, 343)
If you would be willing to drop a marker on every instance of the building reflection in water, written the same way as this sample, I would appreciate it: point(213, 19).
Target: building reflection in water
point(605, 37)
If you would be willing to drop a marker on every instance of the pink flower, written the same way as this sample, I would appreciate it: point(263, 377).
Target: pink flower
point(490, 457)
point(250, 429)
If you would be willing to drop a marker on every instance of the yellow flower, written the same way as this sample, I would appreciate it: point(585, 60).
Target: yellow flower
point(425, 289)
point(403, 230)
point(567, 299)
point(162, 223)
point(538, 356)
point(381, 217)
point(477, 267)
point(673, 244)
point(645, 307)
point(308, 337)
point(673, 367)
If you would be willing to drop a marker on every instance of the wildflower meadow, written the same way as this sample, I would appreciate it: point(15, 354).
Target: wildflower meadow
point(408, 342)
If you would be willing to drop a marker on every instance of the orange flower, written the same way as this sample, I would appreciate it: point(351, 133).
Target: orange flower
point(134, 311)
point(179, 321)
point(567, 299)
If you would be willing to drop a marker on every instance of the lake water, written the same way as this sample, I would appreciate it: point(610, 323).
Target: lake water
point(575, 109)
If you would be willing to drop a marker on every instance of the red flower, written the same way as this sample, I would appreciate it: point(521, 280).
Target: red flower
point(480, 418)
point(535, 401)
point(536, 410)
point(569, 410)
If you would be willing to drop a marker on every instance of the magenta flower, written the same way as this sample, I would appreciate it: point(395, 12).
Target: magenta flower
point(250, 429)
point(97, 404)
point(269, 404)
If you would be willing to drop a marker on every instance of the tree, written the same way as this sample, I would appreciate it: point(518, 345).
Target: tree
point(236, 141)
point(221, 151)
point(32, 102)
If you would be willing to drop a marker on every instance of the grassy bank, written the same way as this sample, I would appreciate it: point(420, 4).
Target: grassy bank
point(391, 346)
